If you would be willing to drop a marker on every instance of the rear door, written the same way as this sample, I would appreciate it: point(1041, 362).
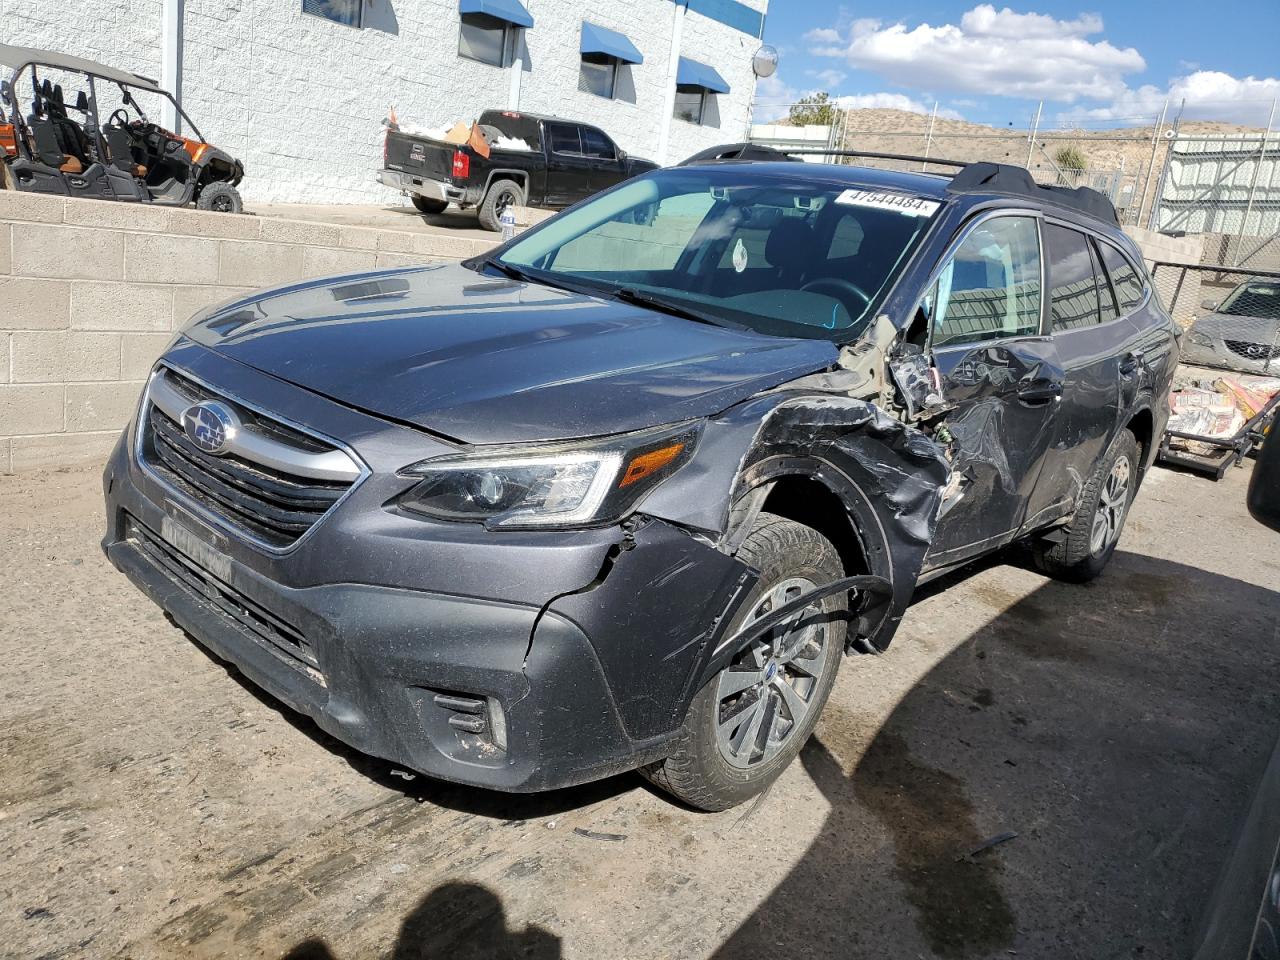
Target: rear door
point(1000, 371)
point(607, 167)
point(1098, 349)
point(568, 168)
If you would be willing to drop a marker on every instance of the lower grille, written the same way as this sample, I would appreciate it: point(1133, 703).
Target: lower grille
point(268, 503)
point(263, 626)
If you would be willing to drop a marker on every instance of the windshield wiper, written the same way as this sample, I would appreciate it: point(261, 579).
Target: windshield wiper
point(643, 298)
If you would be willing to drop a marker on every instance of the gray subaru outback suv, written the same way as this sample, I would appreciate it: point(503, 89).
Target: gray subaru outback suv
point(626, 492)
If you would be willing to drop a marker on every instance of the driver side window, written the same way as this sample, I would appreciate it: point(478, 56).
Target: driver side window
point(990, 288)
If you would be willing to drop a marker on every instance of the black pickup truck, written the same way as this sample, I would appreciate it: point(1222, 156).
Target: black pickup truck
point(554, 163)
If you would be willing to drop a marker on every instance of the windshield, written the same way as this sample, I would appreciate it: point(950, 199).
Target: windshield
point(1254, 300)
point(784, 255)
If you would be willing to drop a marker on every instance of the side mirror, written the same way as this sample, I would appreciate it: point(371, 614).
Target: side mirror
point(1264, 488)
point(82, 102)
point(1209, 304)
point(6, 92)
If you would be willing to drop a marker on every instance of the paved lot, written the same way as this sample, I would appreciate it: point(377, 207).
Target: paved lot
point(453, 222)
point(152, 806)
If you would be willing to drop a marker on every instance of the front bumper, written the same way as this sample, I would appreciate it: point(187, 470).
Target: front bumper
point(1220, 356)
point(514, 661)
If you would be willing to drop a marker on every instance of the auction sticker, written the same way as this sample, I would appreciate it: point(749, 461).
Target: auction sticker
point(910, 206)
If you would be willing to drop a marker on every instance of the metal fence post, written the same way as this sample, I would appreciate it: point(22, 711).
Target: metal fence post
point(928, 138)
point(1164, 170)
point(1253, 186)
point(1035, 128)
point(1151, 164)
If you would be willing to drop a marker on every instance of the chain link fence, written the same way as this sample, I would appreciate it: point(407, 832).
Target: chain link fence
point(1231, 317)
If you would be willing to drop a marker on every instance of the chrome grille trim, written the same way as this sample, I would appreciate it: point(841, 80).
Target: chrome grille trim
point(192, 500)
point(259, 448)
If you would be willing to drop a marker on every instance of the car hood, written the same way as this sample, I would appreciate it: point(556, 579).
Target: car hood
point(1229, 326)
point(486, 360)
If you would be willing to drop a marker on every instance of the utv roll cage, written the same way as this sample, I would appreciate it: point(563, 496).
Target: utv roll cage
point(49, 152)
point(972, 176)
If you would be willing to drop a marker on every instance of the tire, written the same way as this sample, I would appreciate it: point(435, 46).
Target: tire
point(502, 194)
point(1091, 537)
point(429, 204)
point(703, 769)
point(221, 198)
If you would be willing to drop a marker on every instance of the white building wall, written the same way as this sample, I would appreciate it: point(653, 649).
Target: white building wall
point(300, 100)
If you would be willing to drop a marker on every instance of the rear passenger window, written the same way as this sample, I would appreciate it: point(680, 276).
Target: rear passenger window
point(1125, 279)
point(1073, 285)
point(1108, 310)
point(564, 139)
point(991, 286)
point(846, 239)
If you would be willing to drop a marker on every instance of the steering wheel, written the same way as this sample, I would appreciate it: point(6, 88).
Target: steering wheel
point(123, 118)
point(835, 286)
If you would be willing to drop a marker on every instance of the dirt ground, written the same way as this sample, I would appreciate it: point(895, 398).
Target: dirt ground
point(152, 806)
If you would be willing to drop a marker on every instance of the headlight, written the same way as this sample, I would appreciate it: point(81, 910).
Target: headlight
point(559, 485)
point(1200, 339)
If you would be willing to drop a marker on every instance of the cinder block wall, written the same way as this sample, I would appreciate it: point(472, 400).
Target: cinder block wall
point(92, 291)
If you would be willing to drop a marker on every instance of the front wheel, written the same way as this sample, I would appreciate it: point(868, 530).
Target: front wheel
point(429, 204)
point(1090, 539)
point(220, 198)
point(749, 722)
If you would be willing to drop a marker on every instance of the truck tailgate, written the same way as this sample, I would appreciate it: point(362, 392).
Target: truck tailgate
point(419, 156)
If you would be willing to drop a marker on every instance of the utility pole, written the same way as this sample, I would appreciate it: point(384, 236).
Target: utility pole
point(1035, 129)
point(1253, 187)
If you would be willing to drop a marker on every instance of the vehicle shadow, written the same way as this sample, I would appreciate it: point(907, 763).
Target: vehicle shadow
point(1066, 781)
point(450, 219)
point(457, 921)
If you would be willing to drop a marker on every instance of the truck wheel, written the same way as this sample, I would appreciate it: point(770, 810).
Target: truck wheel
point(1091, 537)
point(220, 198)
point(503, 194)
point(429, 205)
point(749, 722)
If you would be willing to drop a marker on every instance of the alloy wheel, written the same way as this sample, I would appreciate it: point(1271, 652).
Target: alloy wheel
point(765, 694)
point(1113, 503)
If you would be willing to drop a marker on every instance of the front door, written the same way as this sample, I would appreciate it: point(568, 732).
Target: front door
point(1000, 373)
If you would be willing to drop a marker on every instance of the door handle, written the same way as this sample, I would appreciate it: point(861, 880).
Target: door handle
point(1130, 362)
point(1039, 391)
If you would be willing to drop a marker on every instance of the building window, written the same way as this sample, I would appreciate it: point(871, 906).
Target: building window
point(599, 75)
point(691, 104)
point(349, 13)
point(483, 38)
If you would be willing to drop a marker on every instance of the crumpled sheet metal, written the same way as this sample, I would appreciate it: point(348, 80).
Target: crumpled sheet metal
point(889, 475)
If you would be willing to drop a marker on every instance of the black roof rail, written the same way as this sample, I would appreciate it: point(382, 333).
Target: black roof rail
point(977, 176)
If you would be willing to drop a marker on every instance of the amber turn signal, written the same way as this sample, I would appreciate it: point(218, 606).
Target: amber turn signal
point(649, 463)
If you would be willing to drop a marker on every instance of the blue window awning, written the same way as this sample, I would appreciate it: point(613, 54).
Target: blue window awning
point(512, 11)
point(609, 43)
point(691, 73)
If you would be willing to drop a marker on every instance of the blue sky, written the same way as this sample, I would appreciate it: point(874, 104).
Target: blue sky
point(1093, 66)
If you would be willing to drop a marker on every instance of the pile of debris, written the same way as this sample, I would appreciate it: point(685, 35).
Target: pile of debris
point(482, 138)
point(1217, 407)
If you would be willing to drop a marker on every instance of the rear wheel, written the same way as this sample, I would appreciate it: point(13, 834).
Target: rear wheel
point(429, 204)
point(749, 722)
point(502, 195)
point(220, 198)
point(1091, 537)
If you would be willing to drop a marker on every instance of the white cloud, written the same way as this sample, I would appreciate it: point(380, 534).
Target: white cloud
point(823, 35)
point(993, 52)
point(1210, 95)
point(828, 78)
point(892, 101)
point(773, 95)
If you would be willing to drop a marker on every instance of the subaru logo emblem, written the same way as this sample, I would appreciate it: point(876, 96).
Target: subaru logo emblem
point(210, 426)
